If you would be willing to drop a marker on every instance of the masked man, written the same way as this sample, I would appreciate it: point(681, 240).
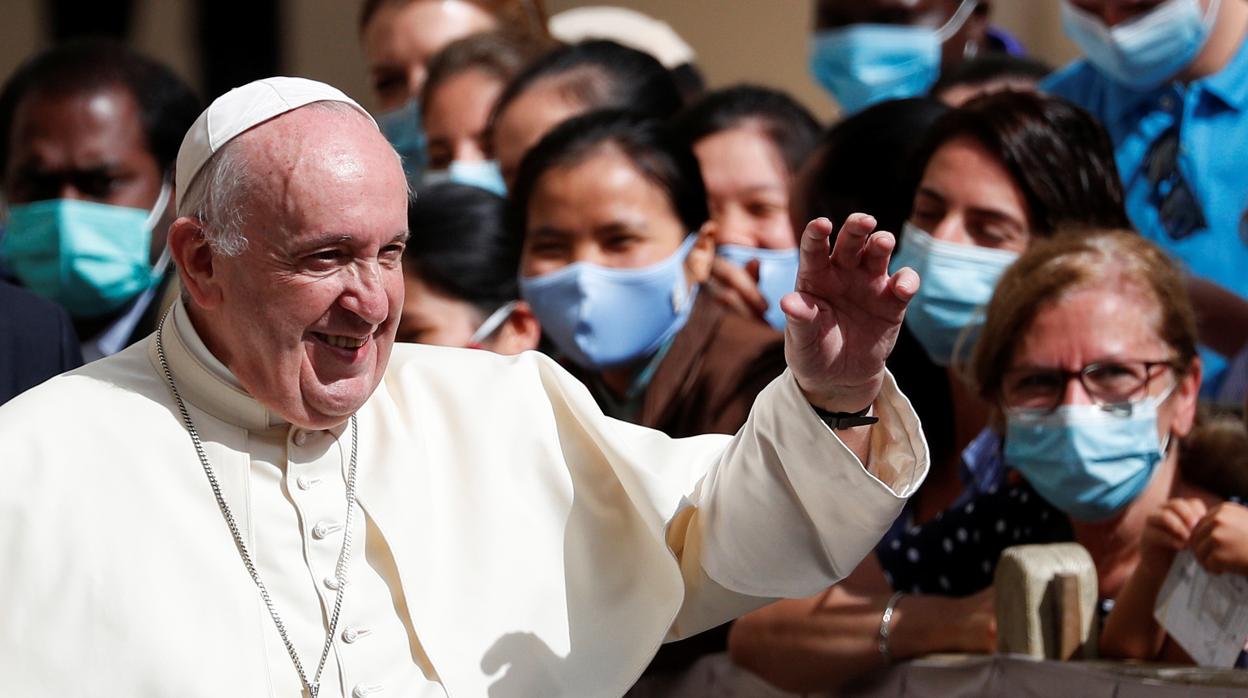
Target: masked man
point(88, 137)
point(1169, 81)
point(266, 497)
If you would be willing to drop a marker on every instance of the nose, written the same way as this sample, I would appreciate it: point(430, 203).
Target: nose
point(588, 251)
point(1075, 393)
point(733, 226)
point(952, 228)
point(364, 294)
point(469, 150)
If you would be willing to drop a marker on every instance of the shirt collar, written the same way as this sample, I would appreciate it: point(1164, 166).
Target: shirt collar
point(1231, 83)
point(203, 380)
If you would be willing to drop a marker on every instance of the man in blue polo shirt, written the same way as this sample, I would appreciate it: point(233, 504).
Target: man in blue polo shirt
point(1169, 81)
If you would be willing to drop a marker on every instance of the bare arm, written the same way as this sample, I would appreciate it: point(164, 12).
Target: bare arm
point(827, 641)
point(1130, 631)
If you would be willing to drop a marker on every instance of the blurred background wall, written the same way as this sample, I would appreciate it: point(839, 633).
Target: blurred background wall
point(737, 40)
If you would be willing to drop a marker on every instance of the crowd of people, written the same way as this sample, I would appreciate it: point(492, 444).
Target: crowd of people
point(1076, 350)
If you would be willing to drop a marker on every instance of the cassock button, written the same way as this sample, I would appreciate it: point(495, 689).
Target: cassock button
point(331, 582)
point(352, 634)
point(364, 690)
point(307, 483)
point(325, 528)
point(300, 438)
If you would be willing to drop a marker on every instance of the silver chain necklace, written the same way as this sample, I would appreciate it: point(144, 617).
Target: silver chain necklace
point(314, 685)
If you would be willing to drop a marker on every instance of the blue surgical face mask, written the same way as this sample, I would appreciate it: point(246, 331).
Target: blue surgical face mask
point(89, 257)
point(1087, 460)
point(777, 275)
point(862, 64)
point(601, 317)
point(483, 174)
point(1148, 50)
point(402, 128)
point(955, 283)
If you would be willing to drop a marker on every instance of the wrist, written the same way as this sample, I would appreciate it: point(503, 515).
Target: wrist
point(846, 399)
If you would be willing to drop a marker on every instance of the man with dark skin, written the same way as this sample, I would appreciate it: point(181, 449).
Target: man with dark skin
point(95, 123)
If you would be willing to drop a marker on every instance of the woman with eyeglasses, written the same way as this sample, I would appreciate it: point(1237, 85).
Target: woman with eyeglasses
point(1088, 358)
point(993, 177)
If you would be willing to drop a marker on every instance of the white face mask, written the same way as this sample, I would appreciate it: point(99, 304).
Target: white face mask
point(1144, 52)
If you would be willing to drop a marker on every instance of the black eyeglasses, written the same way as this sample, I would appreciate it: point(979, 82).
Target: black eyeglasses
point(1177, 207)
point(1106, 382)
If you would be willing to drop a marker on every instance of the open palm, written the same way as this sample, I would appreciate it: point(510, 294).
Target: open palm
point(845, 313)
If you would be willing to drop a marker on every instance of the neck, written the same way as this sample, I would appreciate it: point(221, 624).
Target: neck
point(1229, 30)
point(619, 380)
point(970, 413)
point(944, 482)
point(1114, 544)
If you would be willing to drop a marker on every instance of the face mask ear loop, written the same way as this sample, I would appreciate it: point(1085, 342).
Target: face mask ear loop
point(153, 217)
point(955, 23)
point(492, 323)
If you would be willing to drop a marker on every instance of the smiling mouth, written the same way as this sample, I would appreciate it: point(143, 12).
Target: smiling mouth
point(341, 341)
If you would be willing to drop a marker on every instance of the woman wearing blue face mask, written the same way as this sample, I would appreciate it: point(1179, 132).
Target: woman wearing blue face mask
point(609, 207)
point(399, 37)
point(465, 81)
point(1002, 171)
point(750, 143)
point(1088, 356)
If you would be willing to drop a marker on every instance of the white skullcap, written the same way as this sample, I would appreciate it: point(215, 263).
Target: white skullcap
point(624, 26)
point(243, 108)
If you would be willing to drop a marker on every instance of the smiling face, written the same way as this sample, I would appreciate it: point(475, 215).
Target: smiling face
point(305, 317)
point(747, 186)
point(967, 197)
point(400, 39)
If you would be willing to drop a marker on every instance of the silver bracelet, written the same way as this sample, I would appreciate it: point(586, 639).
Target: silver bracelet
point(885, 621)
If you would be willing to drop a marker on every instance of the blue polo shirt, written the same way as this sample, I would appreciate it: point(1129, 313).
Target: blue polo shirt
point(1213, 157)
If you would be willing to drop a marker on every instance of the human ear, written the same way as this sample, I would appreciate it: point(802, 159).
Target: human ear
point(520, 332)
point(1184, 399)
point(196, 262)
point(702, 255)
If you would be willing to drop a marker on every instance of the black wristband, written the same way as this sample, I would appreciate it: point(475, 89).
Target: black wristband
point(846, 420)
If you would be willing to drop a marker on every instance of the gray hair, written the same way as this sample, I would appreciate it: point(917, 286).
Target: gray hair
point(216, 197)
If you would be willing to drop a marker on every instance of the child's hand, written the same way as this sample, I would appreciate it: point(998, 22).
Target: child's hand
point(1168, 531)
point(1220, 539)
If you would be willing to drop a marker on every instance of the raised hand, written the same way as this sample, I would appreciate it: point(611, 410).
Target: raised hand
point(845, 313)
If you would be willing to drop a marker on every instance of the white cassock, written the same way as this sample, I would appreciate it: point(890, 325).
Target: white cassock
point(514, 541)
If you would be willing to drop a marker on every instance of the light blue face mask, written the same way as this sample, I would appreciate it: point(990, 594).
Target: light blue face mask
point(955, 283)
point(483, 174)
point(1087, 460)
point(1148, 50)
point(89, 257)
point(402, 129)
point(862, 64)
point(602, 318)
point(777, 275)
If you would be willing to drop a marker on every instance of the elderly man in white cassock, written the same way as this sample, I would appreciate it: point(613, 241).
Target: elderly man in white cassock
point(268, 498)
